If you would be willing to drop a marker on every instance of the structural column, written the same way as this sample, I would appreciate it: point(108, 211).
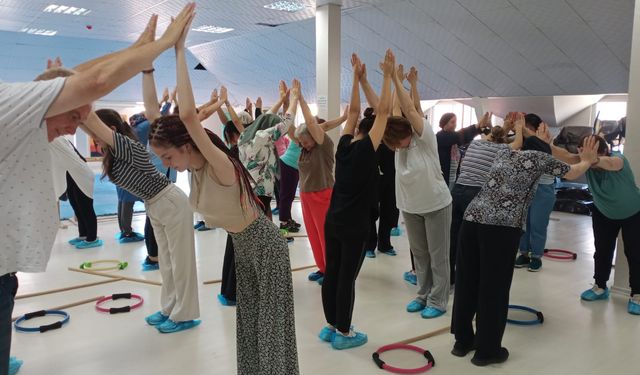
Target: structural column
point(328, 19)
point(632, 141)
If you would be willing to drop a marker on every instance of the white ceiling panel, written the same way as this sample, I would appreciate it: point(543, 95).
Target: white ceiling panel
point(462, 48)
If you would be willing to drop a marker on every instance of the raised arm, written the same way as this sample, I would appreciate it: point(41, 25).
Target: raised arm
point(98, 129)
point(284, 92)
point(388, 67)
point(354, 105)
point(248, 107)
point(258, 107)
point(519, 139)
point(406, 104)
point(210, 109)
point(234, 116)
point(412, 77)
point(588, 157)
point(103, 76)
point(149, 96)
point(316, 131)
point(332, 124)
point(220, 162)
point(372, 97)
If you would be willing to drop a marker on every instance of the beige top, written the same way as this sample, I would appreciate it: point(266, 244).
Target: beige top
point(316, 167)
point(219, 205)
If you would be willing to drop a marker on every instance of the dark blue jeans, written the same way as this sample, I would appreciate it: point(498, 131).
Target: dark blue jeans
point(8, 289)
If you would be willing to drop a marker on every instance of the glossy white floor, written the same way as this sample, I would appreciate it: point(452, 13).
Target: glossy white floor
point(576, 338)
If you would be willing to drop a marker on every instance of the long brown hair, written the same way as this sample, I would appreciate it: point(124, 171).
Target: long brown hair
point(169, 131)
point(398, 128)
point(113, 119)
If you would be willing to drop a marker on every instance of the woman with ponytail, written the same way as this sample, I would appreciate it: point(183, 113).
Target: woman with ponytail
point(474, 172)
point(221, 191)
point(127, 164)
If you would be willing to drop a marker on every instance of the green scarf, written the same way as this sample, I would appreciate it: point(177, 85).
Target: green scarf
point(264, 121)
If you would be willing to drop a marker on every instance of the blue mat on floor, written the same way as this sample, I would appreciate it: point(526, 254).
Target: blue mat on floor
point(105, 200)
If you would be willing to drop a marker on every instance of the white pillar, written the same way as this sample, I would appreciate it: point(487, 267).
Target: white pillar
point(632, 142)
point(328, 19)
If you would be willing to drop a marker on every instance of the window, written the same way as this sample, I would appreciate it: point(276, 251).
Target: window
point(466, 115)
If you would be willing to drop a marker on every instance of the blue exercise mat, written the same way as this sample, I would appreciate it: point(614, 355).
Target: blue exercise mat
point(105, 200)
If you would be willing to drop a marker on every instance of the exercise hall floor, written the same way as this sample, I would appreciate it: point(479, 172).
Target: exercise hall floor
point(576, 337)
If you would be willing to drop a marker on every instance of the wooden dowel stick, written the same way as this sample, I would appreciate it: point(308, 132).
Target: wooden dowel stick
point(74, 304)
point(116, 276)
point(52, 291)
point(426, 335)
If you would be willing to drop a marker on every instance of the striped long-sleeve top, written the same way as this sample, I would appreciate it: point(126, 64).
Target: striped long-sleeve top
point(132, 169)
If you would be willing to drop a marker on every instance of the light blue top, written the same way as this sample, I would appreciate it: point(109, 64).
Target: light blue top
point(292, 155)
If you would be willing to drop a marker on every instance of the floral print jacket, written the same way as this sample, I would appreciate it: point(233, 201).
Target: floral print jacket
point(260, 159)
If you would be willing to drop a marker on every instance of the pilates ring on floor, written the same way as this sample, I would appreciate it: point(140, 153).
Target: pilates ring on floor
point(538, 320)
point(560, 254)
point(43, 328)
point(117, 265)
point(116, 310)
point(381, 364)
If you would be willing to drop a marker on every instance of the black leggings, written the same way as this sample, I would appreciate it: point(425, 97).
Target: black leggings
point(344, 258)
point(150, 239)
point(125, 216)
point(605, 232)
point(388, 217)
point(462, 195)
point(485, 270)
point(83, 209)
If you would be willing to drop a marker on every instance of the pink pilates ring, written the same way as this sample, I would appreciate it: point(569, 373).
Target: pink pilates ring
point(381, 364)
point(117, 310)
point(560, 254)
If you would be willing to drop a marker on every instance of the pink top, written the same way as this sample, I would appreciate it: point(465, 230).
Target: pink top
point(281, 145)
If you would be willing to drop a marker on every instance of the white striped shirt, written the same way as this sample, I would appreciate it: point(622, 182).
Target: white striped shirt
point(132, 169)
point(477, 162)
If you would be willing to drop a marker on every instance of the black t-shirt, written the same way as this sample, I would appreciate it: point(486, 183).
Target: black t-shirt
point(353, 200)
point(448, 139)
point(386, 162)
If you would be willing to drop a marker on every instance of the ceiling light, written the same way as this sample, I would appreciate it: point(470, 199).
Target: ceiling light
point(213, 29)
point(287, 6)
point(35, 31)
point(65, 9)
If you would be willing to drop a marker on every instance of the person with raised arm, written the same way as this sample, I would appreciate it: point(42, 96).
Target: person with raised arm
point(616, 207)
point(32, 113)
point(424, 199)
point(489, 235)
point(352, 204)
point(221, 190)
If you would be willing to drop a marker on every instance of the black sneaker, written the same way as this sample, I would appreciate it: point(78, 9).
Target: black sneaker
point(502, 356)
point(289, 227)
point(296, 224)
point(461, 350)
point(522, 261)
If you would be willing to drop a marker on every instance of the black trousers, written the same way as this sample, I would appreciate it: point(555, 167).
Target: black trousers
point(228, 285)
point(83, 209)
point(150, 239)
point(344, 257)
point(462, 195)
point(485, 270)
point(605, 232)
point(388, 219)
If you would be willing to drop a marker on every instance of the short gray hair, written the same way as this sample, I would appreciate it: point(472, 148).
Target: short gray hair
point(302, 130)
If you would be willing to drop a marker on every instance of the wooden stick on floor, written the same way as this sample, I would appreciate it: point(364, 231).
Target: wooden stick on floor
point(116, 276)
point(209, 282)
point(52, 291)
point(74, 304)
point(437, 332)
